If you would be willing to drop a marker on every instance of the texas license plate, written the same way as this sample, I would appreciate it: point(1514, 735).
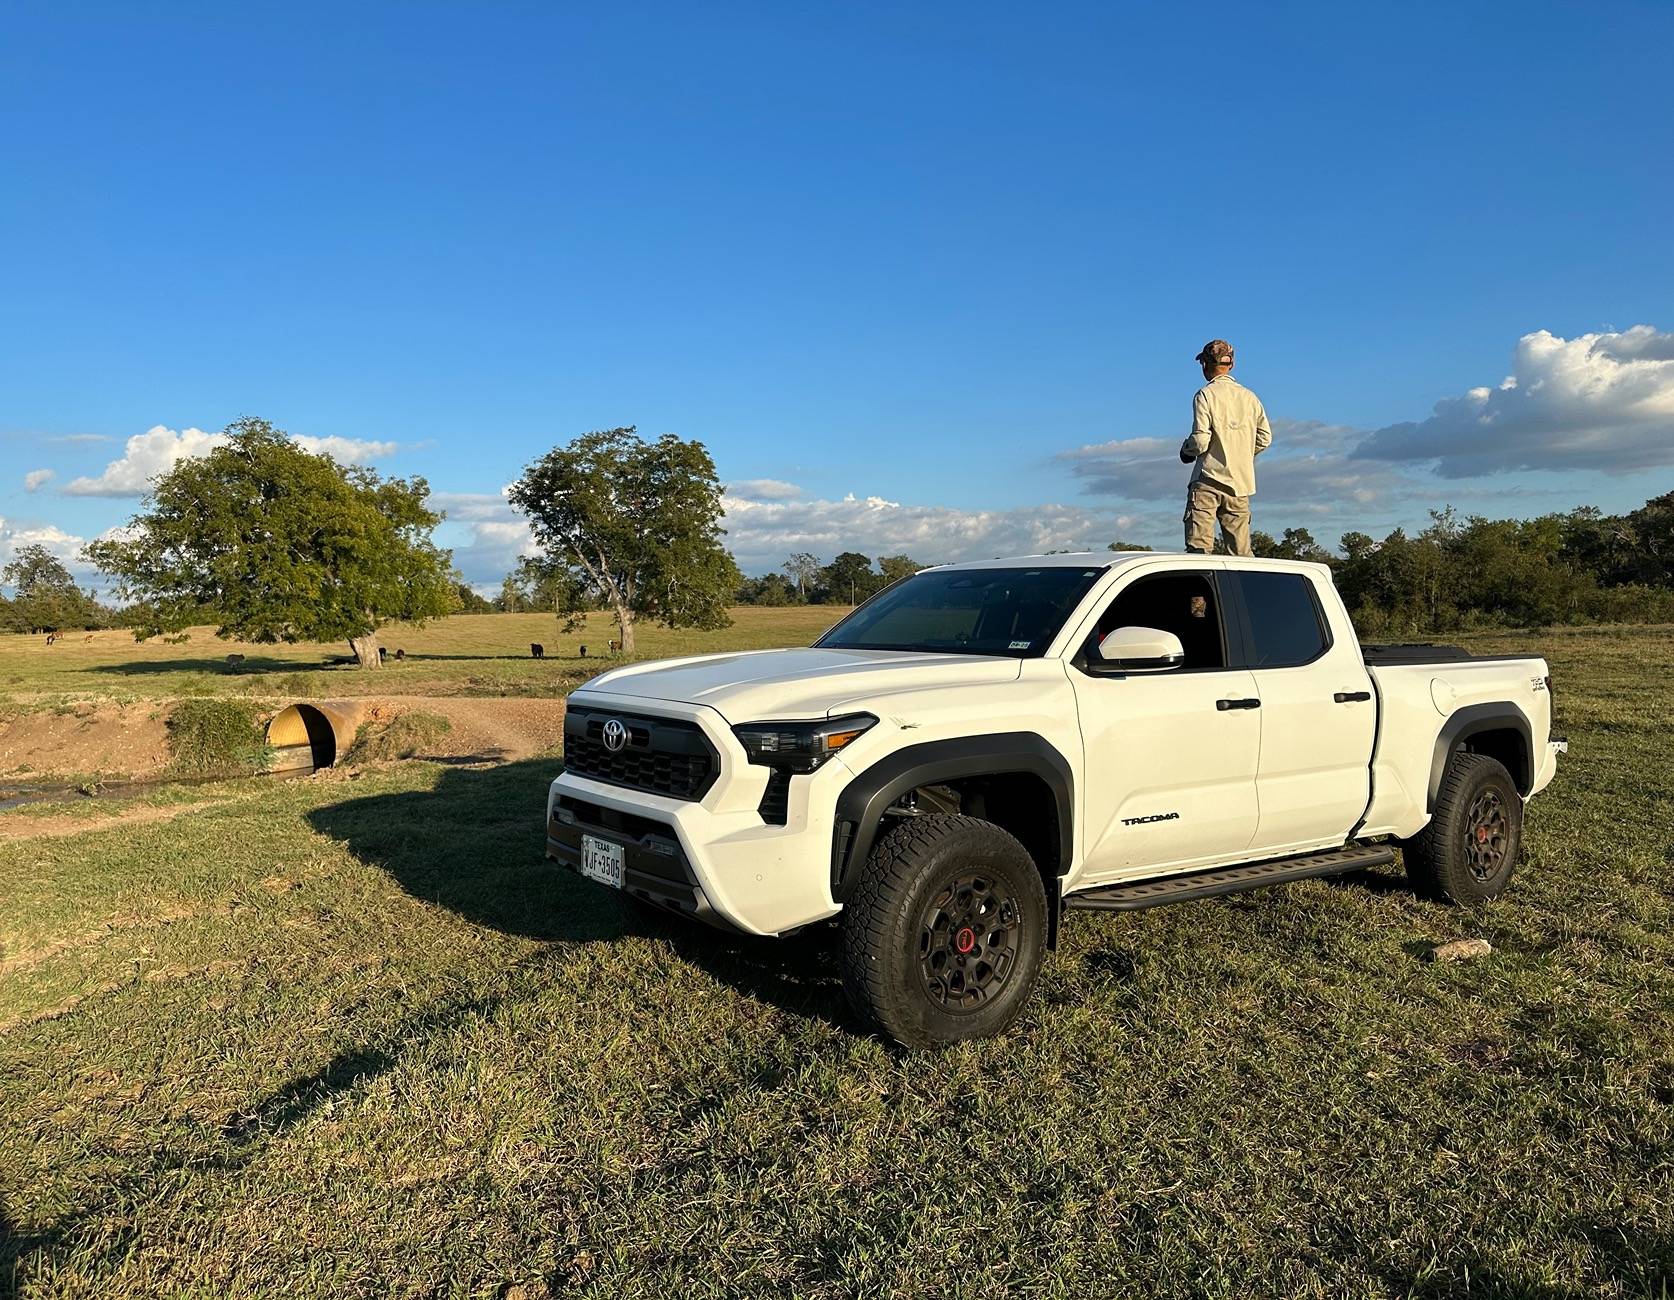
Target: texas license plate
point(601, 861)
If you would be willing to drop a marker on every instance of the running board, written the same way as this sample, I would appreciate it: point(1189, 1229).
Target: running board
point(1131, 896)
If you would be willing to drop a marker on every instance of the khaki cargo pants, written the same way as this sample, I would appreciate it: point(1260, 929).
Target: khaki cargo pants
point(1208, 501)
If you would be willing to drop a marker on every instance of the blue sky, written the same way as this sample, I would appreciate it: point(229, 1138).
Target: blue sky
point(950, 261)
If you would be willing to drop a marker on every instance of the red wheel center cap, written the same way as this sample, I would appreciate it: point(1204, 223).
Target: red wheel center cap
point(965, 940)
point(1482, 835)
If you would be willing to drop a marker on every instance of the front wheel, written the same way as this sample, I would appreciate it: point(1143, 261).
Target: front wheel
point(944, 934)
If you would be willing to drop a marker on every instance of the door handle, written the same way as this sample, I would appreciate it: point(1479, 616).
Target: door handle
point(1224, 705)
point(1351, 697)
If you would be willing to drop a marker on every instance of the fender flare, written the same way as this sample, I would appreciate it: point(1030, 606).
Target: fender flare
point(1473, 720)
point(861, 805)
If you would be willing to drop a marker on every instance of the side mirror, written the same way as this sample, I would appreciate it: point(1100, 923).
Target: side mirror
point(1141, 650)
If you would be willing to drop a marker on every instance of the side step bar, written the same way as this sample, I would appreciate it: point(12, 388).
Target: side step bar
point(1130, 896)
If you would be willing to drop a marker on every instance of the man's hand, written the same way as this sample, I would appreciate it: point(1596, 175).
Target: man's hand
point(1188, 453)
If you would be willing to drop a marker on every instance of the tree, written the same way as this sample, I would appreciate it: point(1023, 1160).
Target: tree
point(802, 569)
point(769, 589)
point(1119, 545)
point(45, 593)
point(467, 601)
point(1296, 544)
point(546, 585)
point(636, 525)
point(896, 567)
point(283, 544)
point(847, 580)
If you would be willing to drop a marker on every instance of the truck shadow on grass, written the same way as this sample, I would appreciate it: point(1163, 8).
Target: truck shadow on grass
point(475, 844)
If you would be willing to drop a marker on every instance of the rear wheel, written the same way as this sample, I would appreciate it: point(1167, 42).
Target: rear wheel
point(1469, 849)
point(944, 935)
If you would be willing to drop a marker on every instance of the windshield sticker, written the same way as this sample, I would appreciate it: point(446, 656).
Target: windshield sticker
point(1021, 645)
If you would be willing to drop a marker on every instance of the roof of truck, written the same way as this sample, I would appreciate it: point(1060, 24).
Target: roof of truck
point(1110, 559)
point(1071, 560)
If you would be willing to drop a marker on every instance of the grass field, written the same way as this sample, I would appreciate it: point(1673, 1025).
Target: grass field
point(352, 1036)
point(486, 654)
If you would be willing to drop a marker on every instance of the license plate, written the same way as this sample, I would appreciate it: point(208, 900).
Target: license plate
point(601, 861)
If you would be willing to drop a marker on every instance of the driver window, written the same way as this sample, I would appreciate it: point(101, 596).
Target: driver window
point(1182, 603)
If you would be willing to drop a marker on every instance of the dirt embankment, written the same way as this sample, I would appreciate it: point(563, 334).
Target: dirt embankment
point(131, 740)
point(498, 730)
point(85, 738)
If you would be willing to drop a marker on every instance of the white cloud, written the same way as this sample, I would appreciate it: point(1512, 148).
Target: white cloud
point(762, 534)
point(146, 455)
point(81, 437)
point(763, 489)
point(1600, 402)
point(15, 535)
point(157, 450)
point(346, 451)
point(495, 535)
point(1308, 465)
point(35, 479)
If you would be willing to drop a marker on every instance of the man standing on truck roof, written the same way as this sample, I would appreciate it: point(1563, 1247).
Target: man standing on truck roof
point(1229, 430)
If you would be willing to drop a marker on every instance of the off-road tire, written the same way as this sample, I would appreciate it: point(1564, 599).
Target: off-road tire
point(914, 905)
point(1469, 849)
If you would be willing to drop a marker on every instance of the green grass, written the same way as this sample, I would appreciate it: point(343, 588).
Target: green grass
point(484, 654)
point(216, 738)
point(354, 1037)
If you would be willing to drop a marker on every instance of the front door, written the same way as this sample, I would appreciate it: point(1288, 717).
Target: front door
point(1170, 757)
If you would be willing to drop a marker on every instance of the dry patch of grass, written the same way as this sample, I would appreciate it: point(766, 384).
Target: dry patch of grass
point(383, 740)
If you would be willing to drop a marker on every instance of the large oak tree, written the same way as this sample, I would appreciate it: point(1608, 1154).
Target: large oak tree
point(283, 545)
point(635, 525)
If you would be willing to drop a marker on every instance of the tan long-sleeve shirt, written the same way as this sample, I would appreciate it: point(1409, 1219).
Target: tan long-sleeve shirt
point(1229, 429)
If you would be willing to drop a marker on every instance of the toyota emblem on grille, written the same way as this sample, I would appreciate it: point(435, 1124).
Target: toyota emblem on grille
point(615, 736)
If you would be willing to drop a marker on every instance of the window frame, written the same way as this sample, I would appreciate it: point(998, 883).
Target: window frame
point(1231, 621)
point(1246, 629)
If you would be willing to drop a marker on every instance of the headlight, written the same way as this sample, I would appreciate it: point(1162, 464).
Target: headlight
point(800, 746)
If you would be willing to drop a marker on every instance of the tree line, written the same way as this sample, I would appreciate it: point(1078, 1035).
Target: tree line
point(270, 542)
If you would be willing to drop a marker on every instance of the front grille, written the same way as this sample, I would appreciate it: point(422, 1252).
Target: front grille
point(663, 755)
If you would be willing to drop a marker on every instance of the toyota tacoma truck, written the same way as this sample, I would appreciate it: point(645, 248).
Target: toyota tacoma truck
point(981, 748)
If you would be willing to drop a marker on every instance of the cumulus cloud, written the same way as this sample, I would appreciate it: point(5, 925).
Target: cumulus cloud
point(764, 489)
point(16, 534)
point(493, 535)
point(1600, 402)
point(1308, 466)
point(157, 450)
point(761, 534)
point(146, 455)
point(36, 478)
point(347, 451)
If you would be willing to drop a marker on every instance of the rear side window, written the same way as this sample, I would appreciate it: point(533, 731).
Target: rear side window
point(1285, 624)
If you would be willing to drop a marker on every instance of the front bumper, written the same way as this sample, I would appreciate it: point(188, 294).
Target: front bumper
point(655, 867)
point(713, 858)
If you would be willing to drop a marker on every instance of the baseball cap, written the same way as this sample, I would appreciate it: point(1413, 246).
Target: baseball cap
point(1218, 350)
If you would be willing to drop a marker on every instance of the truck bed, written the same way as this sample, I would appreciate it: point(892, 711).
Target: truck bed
point(1424, 652)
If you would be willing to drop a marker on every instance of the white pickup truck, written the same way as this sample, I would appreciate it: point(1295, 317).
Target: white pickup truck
point(982, 746)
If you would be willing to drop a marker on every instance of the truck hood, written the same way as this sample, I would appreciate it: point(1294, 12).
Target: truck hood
point(764, 685)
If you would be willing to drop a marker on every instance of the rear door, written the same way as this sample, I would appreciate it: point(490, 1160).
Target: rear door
point(1170, 757)
point(1319, 714)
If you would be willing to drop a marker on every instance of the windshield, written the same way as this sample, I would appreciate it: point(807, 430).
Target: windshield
point(967, 611)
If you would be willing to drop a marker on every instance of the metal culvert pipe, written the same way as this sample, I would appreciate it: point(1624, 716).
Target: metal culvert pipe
point(314, 733)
